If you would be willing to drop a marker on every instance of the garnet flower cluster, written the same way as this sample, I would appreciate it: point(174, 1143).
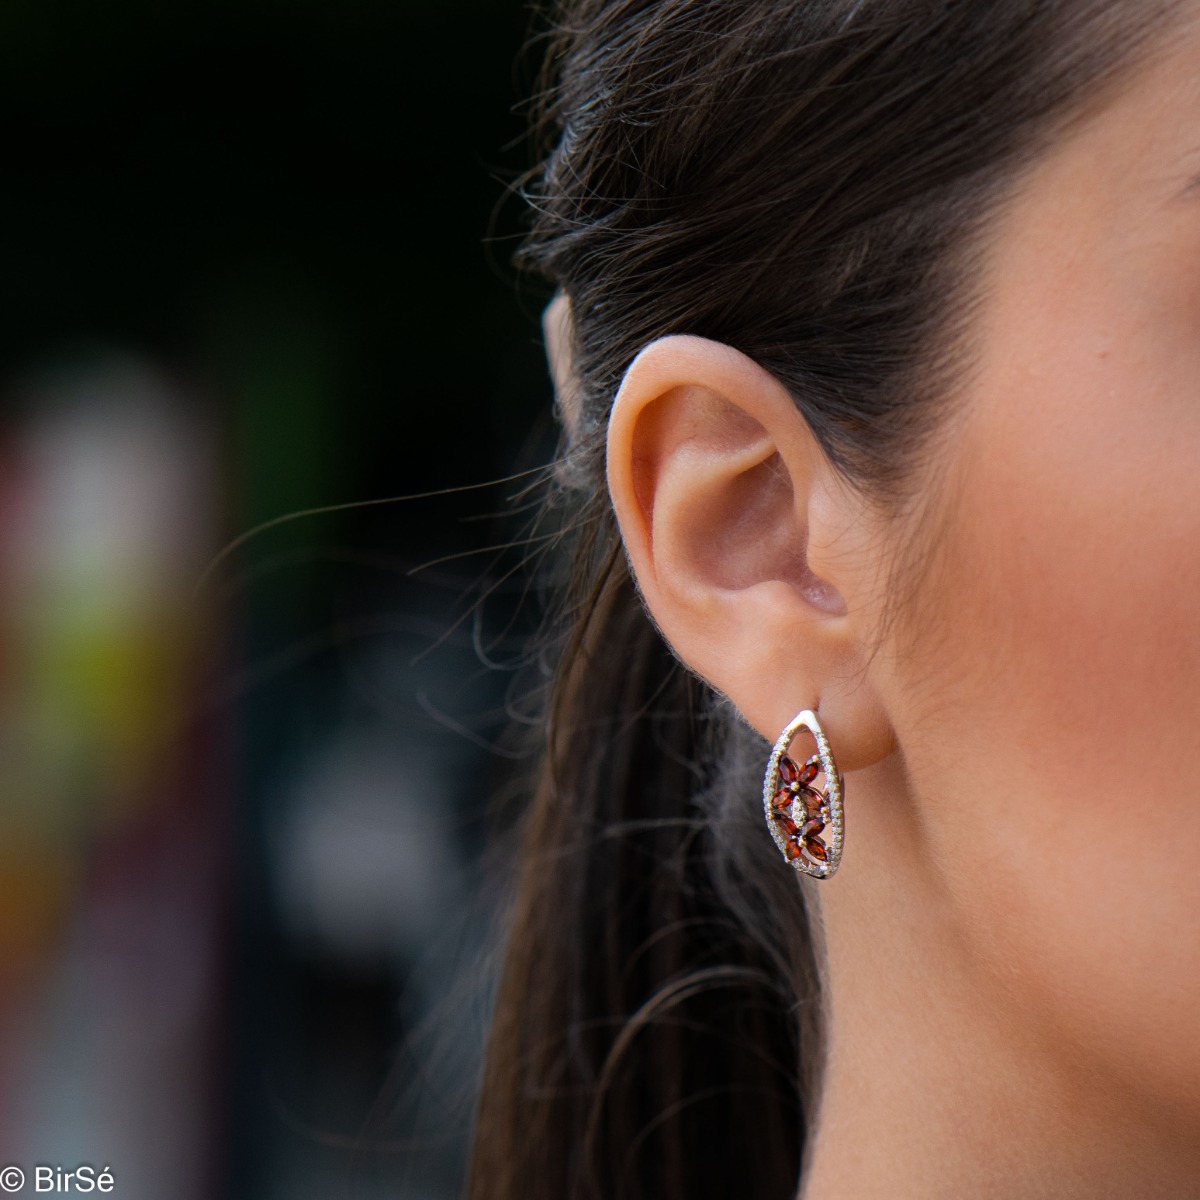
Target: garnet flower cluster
point(797, 785)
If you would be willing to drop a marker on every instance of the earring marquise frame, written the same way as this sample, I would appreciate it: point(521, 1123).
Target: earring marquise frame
point(830, 809)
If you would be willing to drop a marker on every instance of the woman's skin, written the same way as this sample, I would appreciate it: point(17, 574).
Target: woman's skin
point(1013, 937)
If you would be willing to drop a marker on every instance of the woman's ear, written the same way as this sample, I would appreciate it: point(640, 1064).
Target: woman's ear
point(557, 334)
point(757, 563)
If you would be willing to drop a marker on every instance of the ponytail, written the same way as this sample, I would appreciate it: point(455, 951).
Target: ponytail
point(646, 1037)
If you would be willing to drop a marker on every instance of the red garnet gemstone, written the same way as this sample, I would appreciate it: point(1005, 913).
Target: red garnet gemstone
point(783, 800)
point(813, 800)
point(816, 848)
point(792, 850)
point(788, 771)
point(812, 827)
point(786, 823)
point(811, 770)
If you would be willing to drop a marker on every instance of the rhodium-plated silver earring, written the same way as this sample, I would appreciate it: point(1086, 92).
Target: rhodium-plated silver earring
point(798, 808)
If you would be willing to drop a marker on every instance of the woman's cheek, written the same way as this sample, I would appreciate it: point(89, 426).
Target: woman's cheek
point(1057, 751)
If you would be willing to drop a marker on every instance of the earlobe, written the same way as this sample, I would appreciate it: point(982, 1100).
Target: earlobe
point(727, 505)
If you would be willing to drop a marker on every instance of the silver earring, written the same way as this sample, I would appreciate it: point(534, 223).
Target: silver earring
point(798, 809)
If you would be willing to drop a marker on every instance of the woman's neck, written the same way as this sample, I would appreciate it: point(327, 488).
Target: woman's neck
point(937, 1084)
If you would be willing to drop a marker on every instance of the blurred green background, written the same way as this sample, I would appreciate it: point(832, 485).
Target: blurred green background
point(255, 261)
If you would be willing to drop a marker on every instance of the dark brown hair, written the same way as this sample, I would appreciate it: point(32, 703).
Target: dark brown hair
point(808, 181)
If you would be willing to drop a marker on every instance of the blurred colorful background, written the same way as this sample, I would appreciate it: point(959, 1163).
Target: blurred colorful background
point(255, 262)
